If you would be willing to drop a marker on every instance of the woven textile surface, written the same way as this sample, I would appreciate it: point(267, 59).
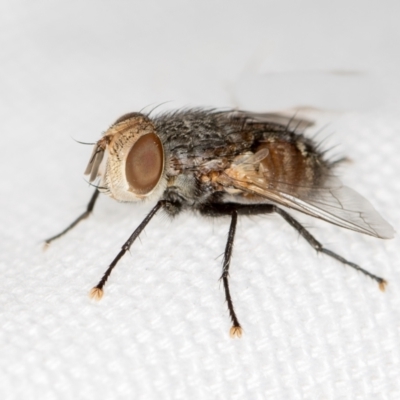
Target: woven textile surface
point(313, 329)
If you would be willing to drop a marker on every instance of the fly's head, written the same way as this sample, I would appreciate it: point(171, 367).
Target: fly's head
point(129, 159)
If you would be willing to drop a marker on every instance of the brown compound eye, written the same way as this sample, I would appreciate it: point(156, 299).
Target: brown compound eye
point(144, 164)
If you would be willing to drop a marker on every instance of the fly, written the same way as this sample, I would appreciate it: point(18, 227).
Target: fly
point(224, 163)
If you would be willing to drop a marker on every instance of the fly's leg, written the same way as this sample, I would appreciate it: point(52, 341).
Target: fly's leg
point(89, 209)
point(236, 329)
point(320, 248)
point(233, 210)
point(97, 292)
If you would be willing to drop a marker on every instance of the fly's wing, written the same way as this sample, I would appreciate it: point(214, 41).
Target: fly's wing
point(291, 121)
point(331, 202)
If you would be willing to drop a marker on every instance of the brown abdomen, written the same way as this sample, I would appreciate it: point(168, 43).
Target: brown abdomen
point(289, 165)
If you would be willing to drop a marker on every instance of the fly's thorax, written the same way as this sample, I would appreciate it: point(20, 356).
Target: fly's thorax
point(135, 161)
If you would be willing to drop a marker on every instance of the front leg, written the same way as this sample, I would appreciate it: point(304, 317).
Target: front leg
point(89, 209)
point(97, 291)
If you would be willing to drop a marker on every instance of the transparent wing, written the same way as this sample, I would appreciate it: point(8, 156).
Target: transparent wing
point(332, 202)
point(291, 121)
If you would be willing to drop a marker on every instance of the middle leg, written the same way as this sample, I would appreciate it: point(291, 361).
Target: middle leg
point(236, 329)
point(233, 210)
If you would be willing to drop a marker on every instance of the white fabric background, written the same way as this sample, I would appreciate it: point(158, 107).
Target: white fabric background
point(312, 329)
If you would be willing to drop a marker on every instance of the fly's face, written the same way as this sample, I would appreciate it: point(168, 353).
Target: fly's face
point(134, 163)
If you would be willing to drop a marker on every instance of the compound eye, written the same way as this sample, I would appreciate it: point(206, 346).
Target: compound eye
point(144, 164)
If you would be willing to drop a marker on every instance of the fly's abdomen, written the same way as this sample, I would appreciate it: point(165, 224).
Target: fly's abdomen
point(290, 165)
